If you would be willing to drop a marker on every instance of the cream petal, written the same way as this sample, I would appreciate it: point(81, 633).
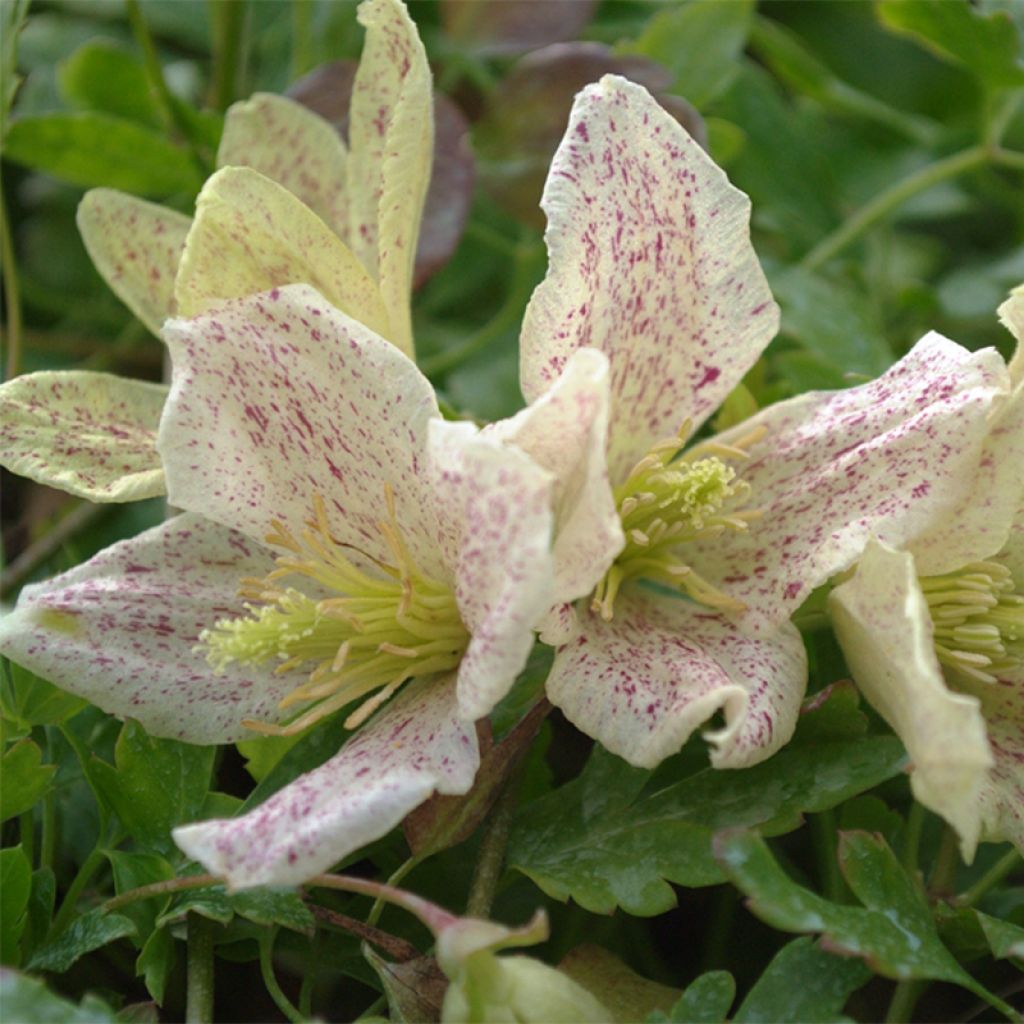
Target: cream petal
point(251, 235)
point(890, 459)
point(1011, 315)
point(121, 631)
point(493, 507)
point(565, 431)
point(644, 682)
point(391, 141)
point(882, 623)
point(277, 398)
point(291, 145)
point(90, 434)
point(416, 746)
point(650, 262)
point(136, 246)
point(1001, 800)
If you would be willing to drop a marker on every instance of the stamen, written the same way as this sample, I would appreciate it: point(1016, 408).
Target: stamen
point(379, 627)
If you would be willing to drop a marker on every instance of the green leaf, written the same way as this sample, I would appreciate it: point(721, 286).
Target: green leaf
point(24, 779)
point(803, 984)
point(132, 870)
point(700, 42)
point(28, 1001)
point(627, 995)
point(705, 1001)
point(1006, 940)
point(262, 906)
point(104, 77)
point(893, 931)
point(156, 784)
point(92, 149)
point(15, 887)
point(156, 961)
point(605, 841)
point(33, 701)
point(40, 908)
point(86, 933)
point(987, 45)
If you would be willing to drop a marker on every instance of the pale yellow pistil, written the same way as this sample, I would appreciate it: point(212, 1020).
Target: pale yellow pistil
point(977, 619)
point(372, 632)
point(671, 499)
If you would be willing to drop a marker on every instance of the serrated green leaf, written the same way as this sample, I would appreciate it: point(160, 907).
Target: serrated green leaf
point(804, 985)
point(156, 961)
point(987, 45)
point(15, 888)
point(262, 906)
point(1006, 940)
point(699, 42)
point(92, 149)
point(86, 933)
point(28, 1001)
point(706, 1001)
point(155, 785)
point(604, 843)
point(30, 700)
point(106, 78)
point(894, 931)
point(24, 779)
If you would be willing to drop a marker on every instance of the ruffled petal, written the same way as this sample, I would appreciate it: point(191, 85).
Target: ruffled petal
point(493, 507)
point(121, 631)
point(650, 262)
point(1001, 801)
point(416, 746)
point(136, 246)
point(882, 623)
point(90, 434)
point(1011, 315)
point(565, 431)
point(277, 398)
point(291, 145)
point(251, 235)
point(642, 683)
point(891, 458)
point(391, 141)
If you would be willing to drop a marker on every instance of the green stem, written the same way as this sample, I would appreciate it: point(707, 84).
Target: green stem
point(228, 19)
point(1008, 158)
point(912, 844)
point(400, 872)
point(27, 834)
point(199, 996)
point(823, 835)
point(992, 877)
point(995, 1002)
point(172, 885)
point(303, 58)
point(715, 946)
point(89, 867)
point(48, 844)
point(904, 999)
point(281, 1001)
point(1003, 115)
point(886, 202)
point(12, 293)
point(491, 860)
point(947, 860)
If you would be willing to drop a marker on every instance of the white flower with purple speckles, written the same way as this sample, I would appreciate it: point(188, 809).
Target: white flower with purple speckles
point(651, 264)
point(934, 636)
point(374, 543)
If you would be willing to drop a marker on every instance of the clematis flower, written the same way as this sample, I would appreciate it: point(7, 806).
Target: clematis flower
point(933, 632)
point(290, 204)
point(373, 542)
point(651, 264)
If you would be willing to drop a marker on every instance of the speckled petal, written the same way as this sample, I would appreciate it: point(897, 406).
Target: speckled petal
point(891, 458)
point(291, 145)
point(279, 397)
point(120, 630)
point(493, 507)
point(565, 431)
point(391, 140)
point(251, 235)
point(136, 246)
point(414, 747)
point(651, 262)
point(1011, 315)
point(881, 620)
point(90, 434)
point(644, 682)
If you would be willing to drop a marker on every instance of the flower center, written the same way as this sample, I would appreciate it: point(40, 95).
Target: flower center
point(370, 632)
point(977, 619)
point(670, 499)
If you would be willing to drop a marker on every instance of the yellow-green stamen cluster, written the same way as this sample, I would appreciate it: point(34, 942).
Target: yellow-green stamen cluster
point(978, 620)
point(671, 499)
point(373, 632)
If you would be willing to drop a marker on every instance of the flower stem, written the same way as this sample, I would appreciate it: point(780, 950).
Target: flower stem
point(886, 202)
point(12, 293)
point(491, 861)
point(904, 999)
point(27, 834)
point(199, 997)
point(823, 834)
point(992, 877)
point(399, 873)
point(145, 892)
point(281, 1001)
point(228, 19)
point(912, 843)
point(89, 867)
point(943, 876)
